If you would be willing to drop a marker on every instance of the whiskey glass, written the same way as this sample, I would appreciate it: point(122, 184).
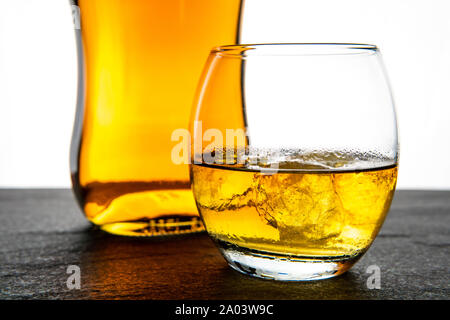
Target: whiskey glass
point(294, 156)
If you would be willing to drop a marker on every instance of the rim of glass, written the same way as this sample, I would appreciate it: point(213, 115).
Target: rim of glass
point(294, 49)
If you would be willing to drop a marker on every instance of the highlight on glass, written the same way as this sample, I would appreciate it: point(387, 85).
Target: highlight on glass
point(294, 156)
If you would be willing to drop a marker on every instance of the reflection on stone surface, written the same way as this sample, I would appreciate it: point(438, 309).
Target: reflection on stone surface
point(187, 267)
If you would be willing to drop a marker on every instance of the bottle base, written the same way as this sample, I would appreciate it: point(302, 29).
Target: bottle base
point(285, 268)
point(162, 226)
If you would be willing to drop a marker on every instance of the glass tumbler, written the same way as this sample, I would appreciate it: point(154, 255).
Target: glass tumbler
point(294, 156)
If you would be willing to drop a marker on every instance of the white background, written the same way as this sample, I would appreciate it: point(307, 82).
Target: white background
point(38, 76)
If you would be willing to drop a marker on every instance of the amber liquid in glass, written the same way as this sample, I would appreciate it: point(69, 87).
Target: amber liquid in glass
point(142, 61)
point(302, 211)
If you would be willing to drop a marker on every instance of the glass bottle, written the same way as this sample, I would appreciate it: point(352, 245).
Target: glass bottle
point(139, 64)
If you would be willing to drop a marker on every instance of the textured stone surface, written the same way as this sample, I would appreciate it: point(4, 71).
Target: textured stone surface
point(42, 232)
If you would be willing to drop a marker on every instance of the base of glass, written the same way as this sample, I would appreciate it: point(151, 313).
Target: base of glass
point(285, 268)
point(162, 226)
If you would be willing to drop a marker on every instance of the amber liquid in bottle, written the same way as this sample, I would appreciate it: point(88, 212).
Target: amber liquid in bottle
point(141, 61)
point(302, 211)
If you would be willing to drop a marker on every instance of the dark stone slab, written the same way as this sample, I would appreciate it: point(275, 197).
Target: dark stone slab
point(43, 231)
